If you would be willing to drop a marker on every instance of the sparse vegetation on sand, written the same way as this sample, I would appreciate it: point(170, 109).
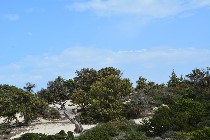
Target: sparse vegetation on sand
point(179, 109)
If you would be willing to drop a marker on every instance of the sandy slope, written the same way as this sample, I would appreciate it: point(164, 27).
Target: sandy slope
point(46, 126)
point(52, 127)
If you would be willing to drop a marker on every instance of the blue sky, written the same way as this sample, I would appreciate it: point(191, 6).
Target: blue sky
point(42, 39)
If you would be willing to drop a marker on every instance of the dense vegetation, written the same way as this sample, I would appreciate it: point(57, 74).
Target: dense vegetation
point(179, 109)
point(14, 100)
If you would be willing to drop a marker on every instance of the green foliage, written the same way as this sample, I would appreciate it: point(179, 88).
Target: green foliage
point(106, 98)
point(101, 98)
point(14, 100)
point(187, 114)
point(160, 122)
point(31, 107)
point(177, 85)
point(80, 97)
point(85, 78)
point(199, 85)
point(129, 130)
point(165, 97)
point(154, 93)
point(51, 113)
point(141, 84)
point(147, 87)
point(100, 132)
point(138, 104)
point(175, 135)
point(45, 95)
point(38, 136)
point(174, 80)
point(109, 71)
point(9, 101)
point(4, 128)
point(184, 115)
point(203, 134)
point(115, 130)
point(104, 95)
point(57, 90)
point(32, 136)
point(147, 95)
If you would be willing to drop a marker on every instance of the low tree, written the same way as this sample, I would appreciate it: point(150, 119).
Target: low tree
point(184, 115)
point(174, 81)
point(141, 84)
point(101, 97)
point(85, 78)
point(199, 85)
point(9, 103)
point(177, 85)
point(106, 98)
point(14, 100)
point(57, 90)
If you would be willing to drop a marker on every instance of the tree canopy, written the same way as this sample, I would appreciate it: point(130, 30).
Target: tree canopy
point(179, 109)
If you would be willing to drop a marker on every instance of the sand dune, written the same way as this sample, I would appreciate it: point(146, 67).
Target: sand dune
point(51, 127)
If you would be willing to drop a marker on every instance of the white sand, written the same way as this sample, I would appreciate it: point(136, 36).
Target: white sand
point(19, 117)
point(1, 119)
point(140, 120)
point(51, 128)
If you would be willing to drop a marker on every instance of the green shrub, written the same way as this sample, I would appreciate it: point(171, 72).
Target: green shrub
point(160, 122)
point(52, 113)
point(138, 103)
point(32, 136)
point(115, 130)
point(100, 132)
point(187, 114)
point(184, 115)
point(132, 132)
point(4, 128)
point(204, 123)
point(38, 136)
point(14, 100)
point(174, 135)
point(100, 94)
point(203, 134)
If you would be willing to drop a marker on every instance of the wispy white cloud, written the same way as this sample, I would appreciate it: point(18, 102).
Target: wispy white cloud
point(143, 8)
point(135, 15)
point(152, 63)
point(12, 17)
